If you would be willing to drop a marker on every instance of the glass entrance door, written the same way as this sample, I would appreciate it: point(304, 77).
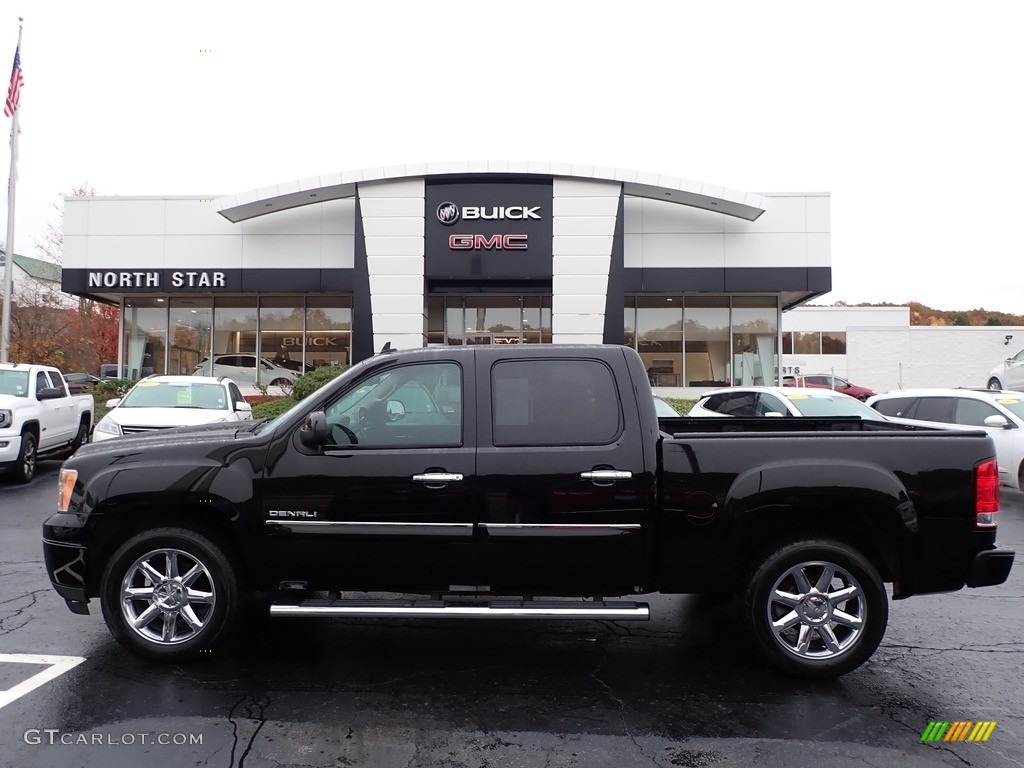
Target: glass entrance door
point(455, 319)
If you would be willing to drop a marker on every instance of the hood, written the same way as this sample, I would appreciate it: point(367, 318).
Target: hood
point(13, 401)
point(165, 417)
point(178, 438)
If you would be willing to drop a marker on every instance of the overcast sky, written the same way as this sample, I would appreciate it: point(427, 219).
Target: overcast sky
point(908, 113)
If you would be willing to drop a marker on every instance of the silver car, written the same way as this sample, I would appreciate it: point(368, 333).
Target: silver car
point(241, 367)
point(1009, 374)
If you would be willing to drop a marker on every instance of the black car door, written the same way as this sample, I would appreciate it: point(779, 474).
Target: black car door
point(388, 504)
point(566, 497)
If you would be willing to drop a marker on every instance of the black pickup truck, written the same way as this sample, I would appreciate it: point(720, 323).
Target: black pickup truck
point(513, 483)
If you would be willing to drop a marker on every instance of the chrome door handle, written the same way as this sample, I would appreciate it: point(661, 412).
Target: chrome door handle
point(438, 477)
point(607, 475)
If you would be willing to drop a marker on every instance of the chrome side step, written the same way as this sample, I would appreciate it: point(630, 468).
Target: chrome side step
point(443, 609)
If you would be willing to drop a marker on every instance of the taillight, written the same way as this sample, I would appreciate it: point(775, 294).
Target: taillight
point(986, 494)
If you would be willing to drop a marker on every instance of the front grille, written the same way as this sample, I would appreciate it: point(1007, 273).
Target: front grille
point(138, 430)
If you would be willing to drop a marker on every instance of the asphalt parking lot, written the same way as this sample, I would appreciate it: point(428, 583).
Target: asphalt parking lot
point(684, 689)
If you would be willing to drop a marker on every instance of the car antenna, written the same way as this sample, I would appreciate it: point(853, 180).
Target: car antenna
point(386, 349)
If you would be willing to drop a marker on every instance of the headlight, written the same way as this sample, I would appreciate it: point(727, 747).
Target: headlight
point(65, 485)
point(6, 417)
point(108, 426)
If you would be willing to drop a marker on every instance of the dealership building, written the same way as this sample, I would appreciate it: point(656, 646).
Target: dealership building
point(326, 270)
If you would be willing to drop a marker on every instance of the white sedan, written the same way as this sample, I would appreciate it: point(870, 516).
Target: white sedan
point(162, 402)
point(781, 401)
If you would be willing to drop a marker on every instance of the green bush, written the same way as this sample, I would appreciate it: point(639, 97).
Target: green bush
point(272, 408)
point(110, 388)
point(310, 382)
point(680, 404)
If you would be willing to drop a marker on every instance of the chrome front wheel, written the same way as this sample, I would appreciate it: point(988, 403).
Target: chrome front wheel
point(170, 594)
point(167, 596)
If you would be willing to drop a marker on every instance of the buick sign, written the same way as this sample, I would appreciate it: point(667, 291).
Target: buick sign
point(448, 214)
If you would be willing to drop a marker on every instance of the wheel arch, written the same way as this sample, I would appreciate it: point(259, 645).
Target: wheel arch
point(871, 528)
point(115, 523)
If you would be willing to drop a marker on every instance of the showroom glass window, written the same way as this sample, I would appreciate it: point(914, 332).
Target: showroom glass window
point(833, 342)
point(659, 338)
point(328, 331)
point(807, 343)
point(755, 333)
point(706, 326)
point(145, 337)
point(234, 331)
point(191, 325)
point(281, 331)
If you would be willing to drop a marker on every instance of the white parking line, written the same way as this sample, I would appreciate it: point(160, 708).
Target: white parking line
point(56, 666)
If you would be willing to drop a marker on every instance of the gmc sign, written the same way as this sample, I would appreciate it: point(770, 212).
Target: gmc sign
point(487, 242)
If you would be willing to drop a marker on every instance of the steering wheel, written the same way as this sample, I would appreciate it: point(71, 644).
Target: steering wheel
point(353, 440)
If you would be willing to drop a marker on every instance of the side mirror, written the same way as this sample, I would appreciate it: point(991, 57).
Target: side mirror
point(113, 402)
point(774, 413)
point(313, 434)
point(395, 410)
point(243, 407)
point(49, 393)
point(997, 421)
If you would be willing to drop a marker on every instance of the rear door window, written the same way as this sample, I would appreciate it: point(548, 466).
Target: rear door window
point(896, 406)
point(936, 409)
point(554, 402)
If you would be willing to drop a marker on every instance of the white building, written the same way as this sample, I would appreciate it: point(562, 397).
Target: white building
point(329, 269)
point(877, 347)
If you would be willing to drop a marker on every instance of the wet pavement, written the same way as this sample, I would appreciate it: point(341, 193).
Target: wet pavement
point(685, 689)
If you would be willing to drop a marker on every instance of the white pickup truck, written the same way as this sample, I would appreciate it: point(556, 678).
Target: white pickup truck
point(39, 419)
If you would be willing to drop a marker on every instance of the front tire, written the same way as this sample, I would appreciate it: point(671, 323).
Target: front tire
point(817, 608)
point(81, 437)
point(169, 594)
point(28, 457)
point(995, 384)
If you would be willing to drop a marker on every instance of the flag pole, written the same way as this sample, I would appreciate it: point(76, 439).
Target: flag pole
point(5, 332)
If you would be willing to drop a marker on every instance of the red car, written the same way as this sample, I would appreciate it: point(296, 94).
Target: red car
point(828, 381)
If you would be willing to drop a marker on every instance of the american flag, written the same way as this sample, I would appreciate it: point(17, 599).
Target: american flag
point(11, 106)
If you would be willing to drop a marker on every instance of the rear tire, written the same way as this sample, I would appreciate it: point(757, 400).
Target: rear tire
point(817, 608)
point(995, 384)
point(169, 594)
point(280, 383)
point(28, 457)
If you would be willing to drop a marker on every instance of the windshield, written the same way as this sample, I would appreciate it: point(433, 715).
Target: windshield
point(1013, 404)
point(663, 409)
point(14, 383)
point(833, 405)
point(167, 394)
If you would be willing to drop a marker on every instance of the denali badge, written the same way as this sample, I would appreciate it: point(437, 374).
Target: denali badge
point(293, 513)
point(448, 213)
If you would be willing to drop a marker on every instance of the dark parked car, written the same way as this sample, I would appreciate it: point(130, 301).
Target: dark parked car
point(80, 382)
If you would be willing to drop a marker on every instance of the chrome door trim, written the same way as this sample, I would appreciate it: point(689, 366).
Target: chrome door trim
point(560, 529)
point(362, 528)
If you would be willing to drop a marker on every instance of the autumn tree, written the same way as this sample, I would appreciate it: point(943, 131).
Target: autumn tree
point(89, 334)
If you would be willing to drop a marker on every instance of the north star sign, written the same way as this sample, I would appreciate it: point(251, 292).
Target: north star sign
point(153, 279)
